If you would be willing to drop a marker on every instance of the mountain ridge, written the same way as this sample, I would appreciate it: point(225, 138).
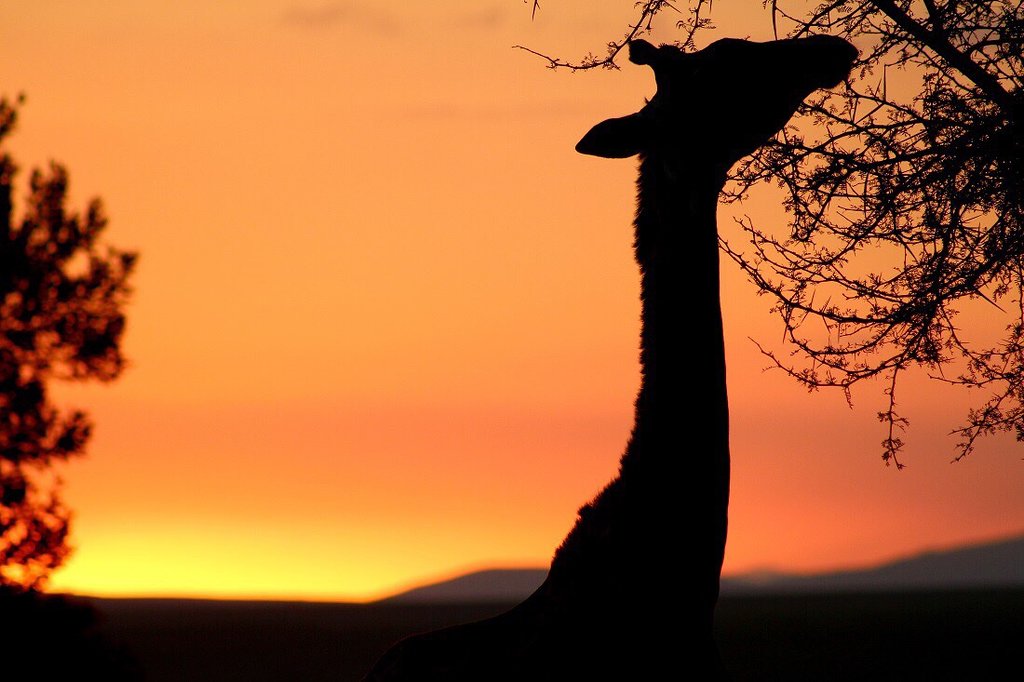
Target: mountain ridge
point(985, 564)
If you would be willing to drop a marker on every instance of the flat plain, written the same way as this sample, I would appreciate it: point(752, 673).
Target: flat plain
point(943, 635)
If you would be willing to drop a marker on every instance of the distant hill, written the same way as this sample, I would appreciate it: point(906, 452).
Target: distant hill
point(991, 564)
point(495, 585)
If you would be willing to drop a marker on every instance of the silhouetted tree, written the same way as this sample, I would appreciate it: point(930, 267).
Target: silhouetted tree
point(58, 637)
point(62, 297)
point(904, 189)
point(905, 194)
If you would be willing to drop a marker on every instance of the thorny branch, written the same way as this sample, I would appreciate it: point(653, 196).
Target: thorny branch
point(645, 13)
point(904, 190)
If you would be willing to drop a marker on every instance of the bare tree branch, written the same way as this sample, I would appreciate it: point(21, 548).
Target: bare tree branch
point(905, 202)
point(646, 11)
point(905, 207)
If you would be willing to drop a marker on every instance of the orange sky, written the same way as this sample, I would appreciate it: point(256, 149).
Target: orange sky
point(385, 321)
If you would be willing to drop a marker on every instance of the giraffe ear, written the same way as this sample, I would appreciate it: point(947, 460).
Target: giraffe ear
point(616, 138)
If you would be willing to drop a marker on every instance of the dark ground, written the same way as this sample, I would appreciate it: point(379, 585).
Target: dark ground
point(928, 636)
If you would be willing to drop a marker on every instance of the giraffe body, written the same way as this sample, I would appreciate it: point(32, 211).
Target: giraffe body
point(648, 549)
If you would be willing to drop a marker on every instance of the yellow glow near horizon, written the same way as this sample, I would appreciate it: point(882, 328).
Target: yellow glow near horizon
point(128, 567)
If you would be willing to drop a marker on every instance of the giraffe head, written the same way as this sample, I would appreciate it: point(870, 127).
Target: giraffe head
point(717, 105)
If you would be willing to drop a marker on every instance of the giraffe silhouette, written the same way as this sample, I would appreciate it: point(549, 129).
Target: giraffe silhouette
point(631, 591)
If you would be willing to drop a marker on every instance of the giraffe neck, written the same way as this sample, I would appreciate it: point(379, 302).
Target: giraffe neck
point(673, 483)
point(683, 388)
point(676, 468)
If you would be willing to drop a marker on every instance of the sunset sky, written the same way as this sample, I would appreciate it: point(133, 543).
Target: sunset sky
point(385, 320)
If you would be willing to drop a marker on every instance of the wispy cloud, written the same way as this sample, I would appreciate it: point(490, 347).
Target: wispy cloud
point(357, 15)
point(490, 17)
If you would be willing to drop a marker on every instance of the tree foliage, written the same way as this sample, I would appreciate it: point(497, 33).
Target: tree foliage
point(646, 11)
point(904, 188)
point(62, 298)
